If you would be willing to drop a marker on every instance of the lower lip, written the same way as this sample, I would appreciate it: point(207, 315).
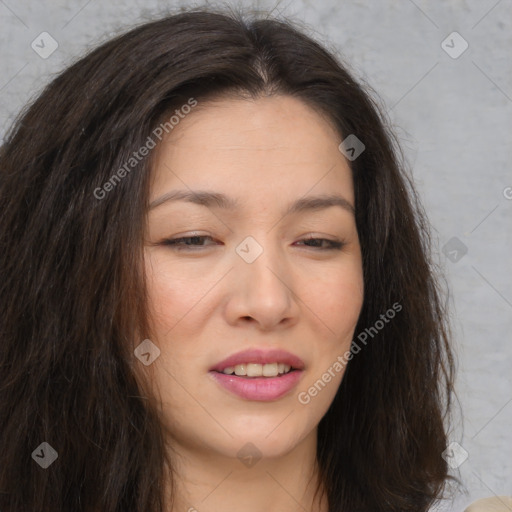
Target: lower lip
point(259, 388)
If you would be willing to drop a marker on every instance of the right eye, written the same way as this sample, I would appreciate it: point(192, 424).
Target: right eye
point(186, 242)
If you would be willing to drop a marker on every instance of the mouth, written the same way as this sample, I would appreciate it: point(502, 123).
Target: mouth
point(259, 375)
point(253, 370)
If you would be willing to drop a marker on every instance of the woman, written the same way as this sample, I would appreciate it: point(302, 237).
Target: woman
point(216, 285)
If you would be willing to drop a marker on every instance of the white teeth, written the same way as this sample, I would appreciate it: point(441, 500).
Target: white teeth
point(270, 370)
point(258, 370)
point(254, 370)
point(240, 369)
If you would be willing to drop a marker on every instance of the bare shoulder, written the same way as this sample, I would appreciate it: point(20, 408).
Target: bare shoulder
point(494, 504)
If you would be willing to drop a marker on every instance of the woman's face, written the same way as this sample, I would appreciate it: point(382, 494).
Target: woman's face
point(244, 277)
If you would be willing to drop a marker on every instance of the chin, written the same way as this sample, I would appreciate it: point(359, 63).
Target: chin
point(270, 438)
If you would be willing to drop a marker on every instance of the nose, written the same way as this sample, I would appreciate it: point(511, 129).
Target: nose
point(262, 291)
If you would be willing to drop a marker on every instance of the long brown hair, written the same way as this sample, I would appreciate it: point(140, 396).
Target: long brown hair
point(72, 292)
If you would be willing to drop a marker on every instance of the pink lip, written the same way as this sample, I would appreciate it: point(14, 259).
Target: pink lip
point(262, 389)
point(259, 388)
point(260, 357)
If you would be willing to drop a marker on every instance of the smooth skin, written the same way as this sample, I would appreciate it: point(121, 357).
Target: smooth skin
point(491, 504)
point(206, 302)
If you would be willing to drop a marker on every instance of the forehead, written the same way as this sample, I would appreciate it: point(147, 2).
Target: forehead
point(250, 147)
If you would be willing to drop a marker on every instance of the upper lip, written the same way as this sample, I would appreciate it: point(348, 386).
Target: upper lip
point(260, 356)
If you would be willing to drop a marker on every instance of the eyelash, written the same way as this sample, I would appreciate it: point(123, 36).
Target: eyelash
point(174, 243)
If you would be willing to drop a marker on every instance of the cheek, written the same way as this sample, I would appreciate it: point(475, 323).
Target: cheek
point(336, 298)
point(334, 295)
point(164, 308)
point(170, 296)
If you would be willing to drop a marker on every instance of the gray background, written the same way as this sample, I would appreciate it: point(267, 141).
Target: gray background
point(454, 119)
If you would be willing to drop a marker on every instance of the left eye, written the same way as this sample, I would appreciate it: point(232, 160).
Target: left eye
point(195, 241)
point(332, 244)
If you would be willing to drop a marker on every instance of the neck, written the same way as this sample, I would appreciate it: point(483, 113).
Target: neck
point(209, 481)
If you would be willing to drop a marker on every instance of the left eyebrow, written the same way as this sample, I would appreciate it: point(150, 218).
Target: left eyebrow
point(319, 202)
point(219, 200)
